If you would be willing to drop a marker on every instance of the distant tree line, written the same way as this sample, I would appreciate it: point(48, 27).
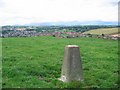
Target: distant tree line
point(73, 28)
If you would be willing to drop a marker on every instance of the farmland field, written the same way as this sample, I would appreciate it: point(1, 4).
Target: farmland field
point(107, 31)
point(35, 62)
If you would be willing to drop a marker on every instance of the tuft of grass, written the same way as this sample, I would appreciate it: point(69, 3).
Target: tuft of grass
point(35, 62)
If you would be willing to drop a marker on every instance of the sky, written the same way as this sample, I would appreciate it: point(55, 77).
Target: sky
point(22, 12)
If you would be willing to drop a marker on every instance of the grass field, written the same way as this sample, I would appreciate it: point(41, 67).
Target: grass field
point(0, 63)
point(107, 31)
point(35, 62)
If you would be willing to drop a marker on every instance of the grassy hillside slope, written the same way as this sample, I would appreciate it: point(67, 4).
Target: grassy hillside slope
point(35, 62)
point(107, 31)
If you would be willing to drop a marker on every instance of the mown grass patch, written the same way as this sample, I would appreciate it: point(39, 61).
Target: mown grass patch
point(107, 31)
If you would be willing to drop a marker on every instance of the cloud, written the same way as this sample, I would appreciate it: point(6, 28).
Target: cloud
point(27, 11)
point(1, 4)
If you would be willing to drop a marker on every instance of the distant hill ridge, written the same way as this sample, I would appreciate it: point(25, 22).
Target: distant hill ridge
point(71, 23)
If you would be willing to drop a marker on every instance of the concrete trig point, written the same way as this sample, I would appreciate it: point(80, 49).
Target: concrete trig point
point(72, 66)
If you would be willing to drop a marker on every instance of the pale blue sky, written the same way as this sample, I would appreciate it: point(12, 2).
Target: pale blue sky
point(28, 11)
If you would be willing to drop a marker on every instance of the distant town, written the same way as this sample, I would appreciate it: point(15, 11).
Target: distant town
point(55, 31)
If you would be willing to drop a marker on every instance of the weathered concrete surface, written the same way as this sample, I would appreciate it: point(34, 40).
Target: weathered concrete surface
point(72, 66)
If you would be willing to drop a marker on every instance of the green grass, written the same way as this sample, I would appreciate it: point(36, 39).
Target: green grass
point(0, 63)
point(35, 62)
point(103, 31)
